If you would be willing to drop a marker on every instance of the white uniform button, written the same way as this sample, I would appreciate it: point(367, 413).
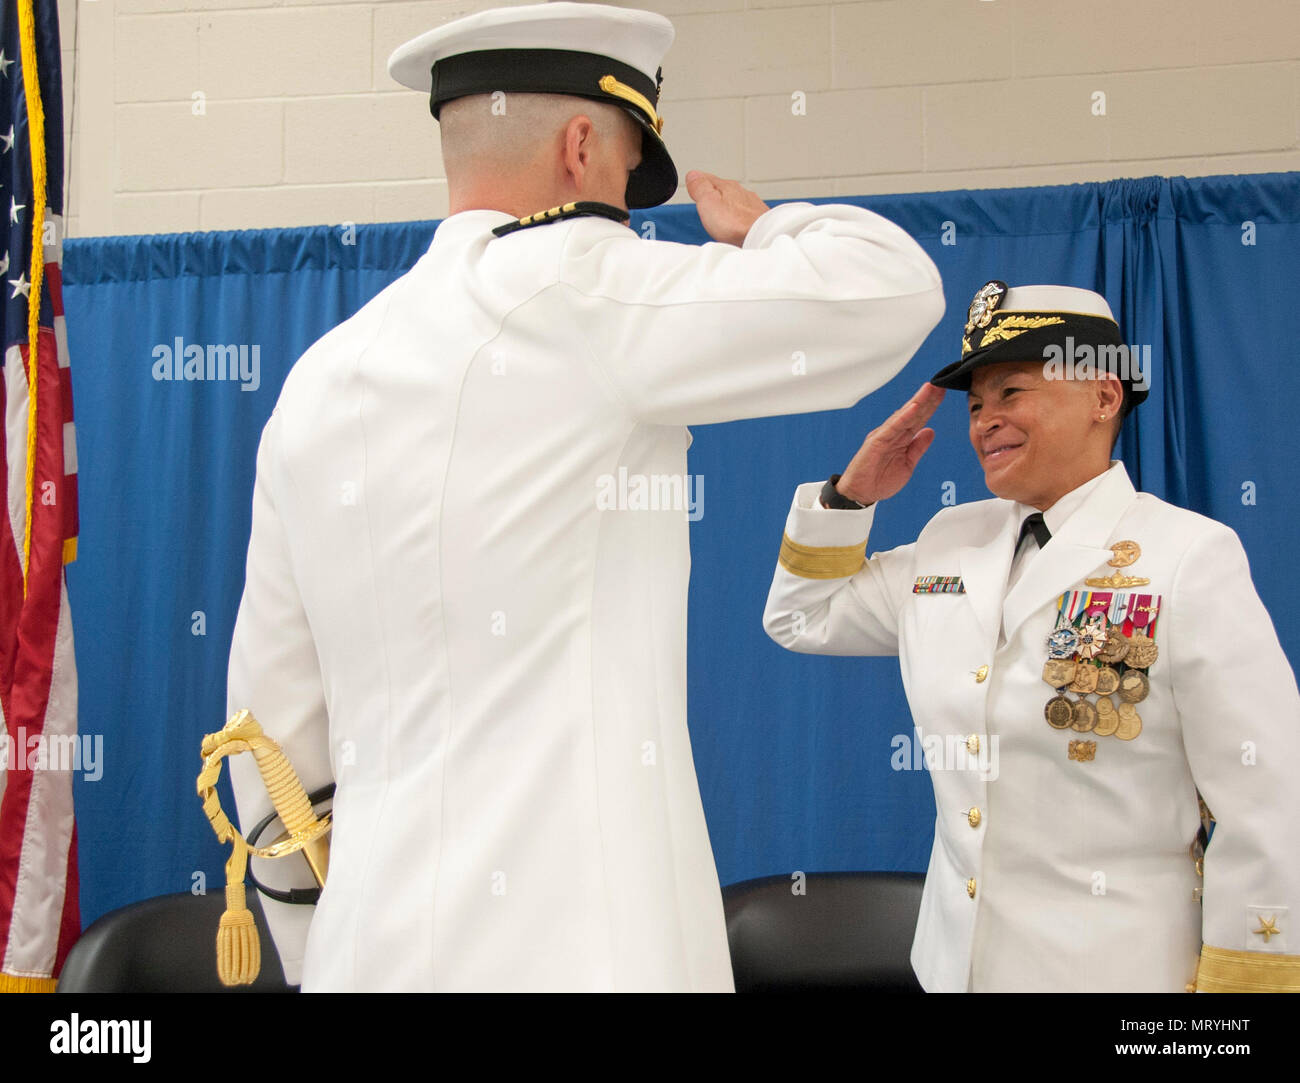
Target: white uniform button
point(973, 744)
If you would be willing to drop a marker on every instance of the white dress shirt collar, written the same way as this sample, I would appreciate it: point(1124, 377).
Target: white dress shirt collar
point(1055, 517)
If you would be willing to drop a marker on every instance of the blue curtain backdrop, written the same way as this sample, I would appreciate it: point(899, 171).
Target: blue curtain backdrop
point(793, 753)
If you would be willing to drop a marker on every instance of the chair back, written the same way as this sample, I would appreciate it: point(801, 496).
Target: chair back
point(166, 944)
point(845, 931)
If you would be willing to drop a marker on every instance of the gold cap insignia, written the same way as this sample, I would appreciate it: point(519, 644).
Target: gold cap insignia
point(985, 303)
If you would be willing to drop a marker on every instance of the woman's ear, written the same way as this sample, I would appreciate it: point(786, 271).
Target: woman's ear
point(1110, 396)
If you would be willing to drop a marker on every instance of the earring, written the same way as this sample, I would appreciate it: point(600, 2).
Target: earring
point(1102, 418)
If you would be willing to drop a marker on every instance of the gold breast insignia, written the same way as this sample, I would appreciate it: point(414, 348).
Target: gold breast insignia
point(1115, 581)
point(1124, 553)
point(1083, 751)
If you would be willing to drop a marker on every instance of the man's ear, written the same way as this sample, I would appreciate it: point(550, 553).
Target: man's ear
point(579, 139)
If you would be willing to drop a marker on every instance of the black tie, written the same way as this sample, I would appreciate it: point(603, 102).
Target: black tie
point(1034, 525)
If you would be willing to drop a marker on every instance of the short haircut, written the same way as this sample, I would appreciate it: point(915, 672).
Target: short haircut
point(494, 132)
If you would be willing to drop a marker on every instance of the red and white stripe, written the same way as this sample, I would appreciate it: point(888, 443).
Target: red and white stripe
point(39, 914)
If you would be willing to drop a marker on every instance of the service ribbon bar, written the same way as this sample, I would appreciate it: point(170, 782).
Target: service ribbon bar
point(938, 584)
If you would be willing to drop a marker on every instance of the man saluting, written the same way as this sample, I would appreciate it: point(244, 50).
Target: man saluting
point(1115, 648)
point(441, 614)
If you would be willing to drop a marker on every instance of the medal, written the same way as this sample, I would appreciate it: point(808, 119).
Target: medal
point(1134, 686)
point(1116, 646)
point(1059, 712)
point(1142, 652)
point(1085, 679)
point(1085, 717)
point(1058, 672)
point(1107, 681)
point(1091, 639)
point(1130, 722)
point(1107, 717)
point(1063, 642)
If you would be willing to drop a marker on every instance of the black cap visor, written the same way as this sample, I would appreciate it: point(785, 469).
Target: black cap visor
point(1081, 343)
point(564, 71)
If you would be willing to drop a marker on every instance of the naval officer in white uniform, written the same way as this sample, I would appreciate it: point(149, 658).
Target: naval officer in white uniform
point(1107, 649)
point(466, 587)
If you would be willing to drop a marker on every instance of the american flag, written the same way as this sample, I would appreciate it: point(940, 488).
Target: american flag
point(39, 915)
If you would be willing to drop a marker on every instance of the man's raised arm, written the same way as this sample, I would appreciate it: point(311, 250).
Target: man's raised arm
point(817, 307)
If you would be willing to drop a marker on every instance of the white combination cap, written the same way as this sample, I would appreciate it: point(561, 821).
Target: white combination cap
point(1006, 323)
point(594, 51)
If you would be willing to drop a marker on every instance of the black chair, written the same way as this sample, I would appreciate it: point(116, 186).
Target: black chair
point(848, 931)
point(164, 945)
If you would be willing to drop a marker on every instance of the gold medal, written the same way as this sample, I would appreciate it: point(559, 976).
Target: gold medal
point(1130, 722)
point(1142, 652)
point(1059, 712)
point(1085, 717)
point(1058, 672)
point(1085, 679)
point(1107, 681)
point(1115, 647)
point(1107, 717)
point(1134, 686)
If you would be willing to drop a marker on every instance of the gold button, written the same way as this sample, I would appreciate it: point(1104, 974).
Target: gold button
point(973, 744)
point(973, 817)
point(980, 674)
point(970, 887)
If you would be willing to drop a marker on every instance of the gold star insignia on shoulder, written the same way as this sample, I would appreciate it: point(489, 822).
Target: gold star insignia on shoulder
point(1267, 927)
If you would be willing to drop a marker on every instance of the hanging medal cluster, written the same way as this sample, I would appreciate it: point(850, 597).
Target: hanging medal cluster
point(1098, 657)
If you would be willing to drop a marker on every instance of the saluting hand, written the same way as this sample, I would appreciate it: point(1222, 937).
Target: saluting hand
point(726, 207)
point(884, 463)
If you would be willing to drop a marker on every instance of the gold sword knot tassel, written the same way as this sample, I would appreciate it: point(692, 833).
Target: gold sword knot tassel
point(239, 953)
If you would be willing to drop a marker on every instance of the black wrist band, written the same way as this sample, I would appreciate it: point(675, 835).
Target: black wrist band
point(832, 498)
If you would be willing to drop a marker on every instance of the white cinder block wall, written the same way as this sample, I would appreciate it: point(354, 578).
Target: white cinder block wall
point(227, 114)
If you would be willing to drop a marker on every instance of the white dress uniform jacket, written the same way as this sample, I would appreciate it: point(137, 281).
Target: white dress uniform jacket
point(1074, 875)
point(443, 612)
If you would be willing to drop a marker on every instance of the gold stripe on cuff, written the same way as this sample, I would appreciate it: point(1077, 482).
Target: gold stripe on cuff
point(821, 561)
point(1222, 970)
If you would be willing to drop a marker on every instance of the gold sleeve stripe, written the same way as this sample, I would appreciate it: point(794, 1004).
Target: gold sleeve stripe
point(1222, 970)
point(821, 562)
